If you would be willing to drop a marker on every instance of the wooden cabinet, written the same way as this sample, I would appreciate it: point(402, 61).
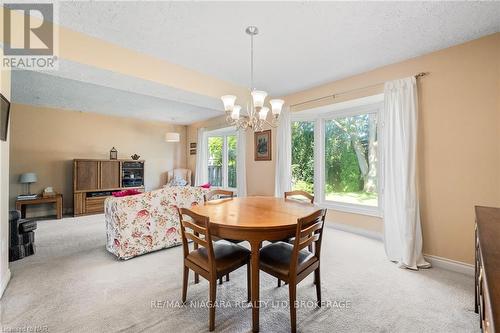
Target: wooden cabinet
point(487, 264)
point(95, 180)
point(109, 174)
point(86, 175)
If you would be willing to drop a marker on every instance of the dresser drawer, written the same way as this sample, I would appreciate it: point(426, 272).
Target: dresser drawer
point(94, 205)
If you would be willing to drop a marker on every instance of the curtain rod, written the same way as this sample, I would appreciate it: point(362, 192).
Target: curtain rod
point(333, 96)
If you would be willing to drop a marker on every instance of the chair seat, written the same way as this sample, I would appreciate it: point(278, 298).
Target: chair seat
point(228, 256)
point(276, 257)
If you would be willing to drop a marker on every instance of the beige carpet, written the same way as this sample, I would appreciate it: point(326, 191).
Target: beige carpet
point(73, 285)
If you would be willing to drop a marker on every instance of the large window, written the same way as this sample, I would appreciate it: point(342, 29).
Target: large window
point(335, 156)
point(222, 150)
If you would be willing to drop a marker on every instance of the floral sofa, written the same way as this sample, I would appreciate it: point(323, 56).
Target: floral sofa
point(147, 222)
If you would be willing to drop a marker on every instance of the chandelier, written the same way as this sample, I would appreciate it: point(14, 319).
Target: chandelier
point(256, 113)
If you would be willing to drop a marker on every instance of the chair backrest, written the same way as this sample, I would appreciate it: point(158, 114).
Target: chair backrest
point(183, 173)
point(218, 193)
point(309, 231)
point(309, 196)
point(196, 229)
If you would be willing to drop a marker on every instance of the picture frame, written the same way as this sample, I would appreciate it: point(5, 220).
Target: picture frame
point(263, 145)
point(4, 117)
point(192, 151)
point(192, 145)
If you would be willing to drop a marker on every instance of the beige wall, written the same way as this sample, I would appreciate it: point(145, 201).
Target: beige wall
point(4, 190)
point(45, 141)
point(459, 141)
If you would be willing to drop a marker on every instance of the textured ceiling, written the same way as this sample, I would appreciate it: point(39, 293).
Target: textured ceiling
point(302, 44)
point(127, 97)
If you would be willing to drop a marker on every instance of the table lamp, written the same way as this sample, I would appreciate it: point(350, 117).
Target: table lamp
point(28, 178)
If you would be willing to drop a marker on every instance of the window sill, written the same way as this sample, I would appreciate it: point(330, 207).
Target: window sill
point(351, 208)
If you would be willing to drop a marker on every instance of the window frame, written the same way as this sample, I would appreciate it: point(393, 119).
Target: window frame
point(224, 133)
point(371, 104)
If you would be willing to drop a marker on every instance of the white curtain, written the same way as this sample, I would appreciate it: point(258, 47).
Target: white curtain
point(283, 173)
point(201, 175)
point(241, 170)
point(398, 133)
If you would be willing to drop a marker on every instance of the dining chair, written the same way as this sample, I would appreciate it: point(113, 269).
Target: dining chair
point(309, 197)
point(293, 262)
point(209, 259)
point(218, 194)
point(305, 194)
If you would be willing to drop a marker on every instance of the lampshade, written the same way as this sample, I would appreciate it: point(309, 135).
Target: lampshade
point(27, 178)
point(228, 101)
point(263, 113)
point(172, 137)
point(276, 105)
point(258, 97)
point(236, 112)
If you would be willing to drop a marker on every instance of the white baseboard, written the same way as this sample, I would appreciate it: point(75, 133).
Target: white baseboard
point(354, 230)
point(450, 265)
point(4, 282)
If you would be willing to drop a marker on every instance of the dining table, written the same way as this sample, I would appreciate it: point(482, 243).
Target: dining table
point(254, 219)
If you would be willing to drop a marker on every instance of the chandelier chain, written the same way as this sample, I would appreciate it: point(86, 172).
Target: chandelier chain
point(251, 62)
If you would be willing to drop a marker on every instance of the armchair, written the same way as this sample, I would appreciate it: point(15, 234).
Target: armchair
point(182, 173)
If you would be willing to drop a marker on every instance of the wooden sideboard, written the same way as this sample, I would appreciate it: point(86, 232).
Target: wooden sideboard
point(487, 263)
point(95, 180)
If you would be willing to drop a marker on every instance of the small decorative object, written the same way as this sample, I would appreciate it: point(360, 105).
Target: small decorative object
point(192, 145)
point(172, 137)
point(48, 192)
point(28, 178)
point(192, 151)
point(262, 145)
point(113, 154)
point(135, 157)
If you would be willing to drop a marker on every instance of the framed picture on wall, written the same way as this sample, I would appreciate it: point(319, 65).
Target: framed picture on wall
point(192, 152)
point(4, 117)
point(192, 145)
point(262, 145)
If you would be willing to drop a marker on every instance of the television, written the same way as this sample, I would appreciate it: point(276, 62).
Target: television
point(4, 117)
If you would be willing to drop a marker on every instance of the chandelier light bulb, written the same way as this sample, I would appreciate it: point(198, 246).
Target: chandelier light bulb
point(228, 101)
point(263, 113)
point(258, 97)
point(235, 115)
point(276, 105)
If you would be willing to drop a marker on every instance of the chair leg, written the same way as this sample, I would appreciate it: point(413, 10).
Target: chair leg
point(227, 277)
point(212, 297)
point(292, 289)
point(185, 277)
point(317, 281)
point(196, 278)
point(249, 283)
point(220, 280)
point(279, 283)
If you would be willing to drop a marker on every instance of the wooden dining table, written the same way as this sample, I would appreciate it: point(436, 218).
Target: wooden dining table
point(254, 219)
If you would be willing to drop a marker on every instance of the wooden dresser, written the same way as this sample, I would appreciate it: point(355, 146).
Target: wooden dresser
point(95, 180)
point(487, 274)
